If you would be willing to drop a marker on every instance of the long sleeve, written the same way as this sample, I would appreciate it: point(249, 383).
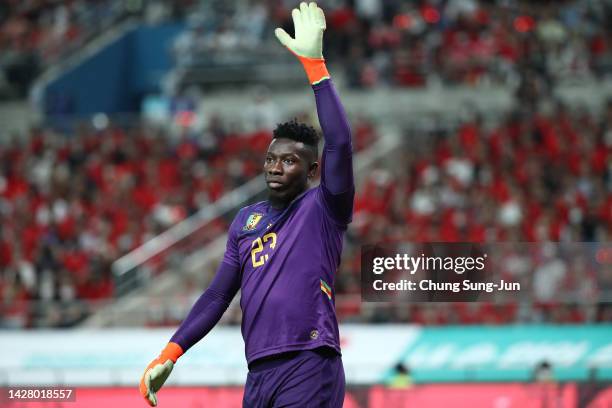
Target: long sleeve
point(209, 308)
point(211, 305)
point(337, 160)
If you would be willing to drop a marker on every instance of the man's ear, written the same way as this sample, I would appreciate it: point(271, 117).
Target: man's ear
point(312, 170)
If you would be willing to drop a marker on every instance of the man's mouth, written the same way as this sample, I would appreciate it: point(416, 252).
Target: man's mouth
point(273, 184)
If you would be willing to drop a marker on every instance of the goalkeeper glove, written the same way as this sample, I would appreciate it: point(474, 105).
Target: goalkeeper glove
point(158, 371)
point(309, 24)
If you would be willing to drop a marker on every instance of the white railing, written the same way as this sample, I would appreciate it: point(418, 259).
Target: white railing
point(171, 248)
point(187, 227)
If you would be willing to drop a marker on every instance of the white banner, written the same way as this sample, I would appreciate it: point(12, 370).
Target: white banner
point(118, 357)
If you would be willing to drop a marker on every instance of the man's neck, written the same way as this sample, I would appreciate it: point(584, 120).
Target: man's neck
point(282, 203)
point(278, 204)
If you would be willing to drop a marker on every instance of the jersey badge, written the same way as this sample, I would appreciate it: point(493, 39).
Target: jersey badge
point(252, 221)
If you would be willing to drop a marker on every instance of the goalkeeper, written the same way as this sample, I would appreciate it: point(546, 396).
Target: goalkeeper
point(283, 253)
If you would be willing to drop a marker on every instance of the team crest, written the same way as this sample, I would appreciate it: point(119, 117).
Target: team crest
point(252, 221)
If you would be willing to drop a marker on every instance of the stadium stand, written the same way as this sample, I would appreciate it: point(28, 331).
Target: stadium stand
point(525, 178)
point(529, 178)
point(474, 121)
point(36, 34)
point(411, 44)
point(380, 43)
point(73, 204)
point(474, 185)
point(84, 200)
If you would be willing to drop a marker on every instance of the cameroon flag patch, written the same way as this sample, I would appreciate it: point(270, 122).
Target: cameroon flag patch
point(326, 289)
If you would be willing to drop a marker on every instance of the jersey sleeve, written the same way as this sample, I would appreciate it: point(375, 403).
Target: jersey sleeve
point(230, 256)
point(211, 305)
point(337, 183)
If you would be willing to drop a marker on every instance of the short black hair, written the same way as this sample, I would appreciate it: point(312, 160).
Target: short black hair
point(300, 132)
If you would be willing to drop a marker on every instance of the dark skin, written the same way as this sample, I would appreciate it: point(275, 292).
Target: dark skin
point(288, 168)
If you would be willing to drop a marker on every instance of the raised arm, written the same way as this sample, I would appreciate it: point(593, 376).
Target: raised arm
point(337, 162)
point(203, 316)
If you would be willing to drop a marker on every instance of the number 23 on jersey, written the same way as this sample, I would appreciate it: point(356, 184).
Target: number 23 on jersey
point(258, 246)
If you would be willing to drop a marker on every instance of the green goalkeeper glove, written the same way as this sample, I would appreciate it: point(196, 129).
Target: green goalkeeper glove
point(309, 24)
point(158, 371)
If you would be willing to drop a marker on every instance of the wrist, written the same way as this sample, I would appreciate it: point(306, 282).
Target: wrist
point(315, 69)
point(172, 351)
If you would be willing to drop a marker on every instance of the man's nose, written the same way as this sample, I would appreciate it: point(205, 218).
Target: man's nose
point(275, 167)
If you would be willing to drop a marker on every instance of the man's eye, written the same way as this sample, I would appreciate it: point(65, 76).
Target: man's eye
point(268, 160)
point(289, 161)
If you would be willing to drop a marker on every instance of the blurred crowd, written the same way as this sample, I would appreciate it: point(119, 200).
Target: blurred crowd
point(71, 205)
point(35, 34)
point(528, 45)
point(472, 42)
point(543, 177)
point(530, 178)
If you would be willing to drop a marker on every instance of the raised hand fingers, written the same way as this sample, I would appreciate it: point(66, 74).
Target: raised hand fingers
point(308, 13)
point(312, 9)
point(297, 19)
point(304, 11)
point(319, 16)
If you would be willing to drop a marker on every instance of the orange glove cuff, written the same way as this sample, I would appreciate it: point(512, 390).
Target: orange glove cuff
point(172, 351)
point(315, 69)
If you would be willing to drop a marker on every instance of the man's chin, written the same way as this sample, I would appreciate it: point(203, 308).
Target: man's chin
point(276, 192)
point(279, 194)
point(283, 194)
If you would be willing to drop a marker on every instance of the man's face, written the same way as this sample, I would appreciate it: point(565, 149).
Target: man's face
point(287, 168)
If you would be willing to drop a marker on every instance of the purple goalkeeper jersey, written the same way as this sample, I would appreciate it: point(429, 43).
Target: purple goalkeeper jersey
point(284, 261)
point(288, 260)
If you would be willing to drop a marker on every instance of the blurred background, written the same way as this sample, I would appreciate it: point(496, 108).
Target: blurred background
point(131, 132)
